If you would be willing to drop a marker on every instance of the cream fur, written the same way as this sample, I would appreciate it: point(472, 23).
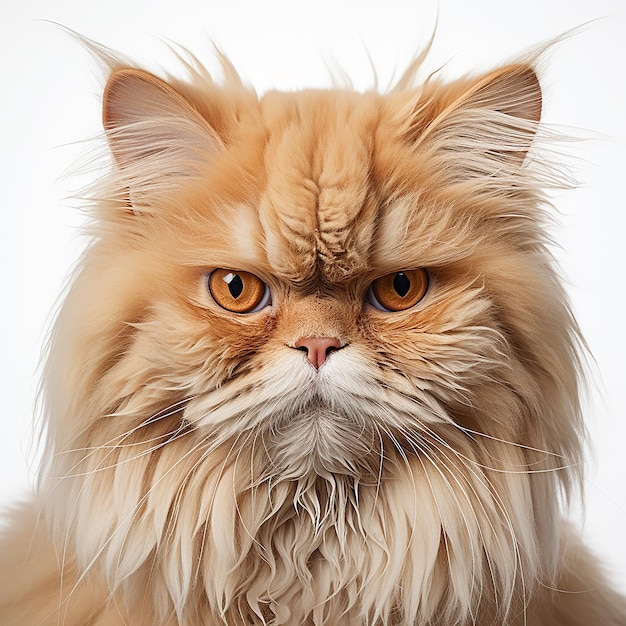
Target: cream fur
point(199, 470)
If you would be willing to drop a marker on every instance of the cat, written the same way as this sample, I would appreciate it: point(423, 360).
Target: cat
point(316, 367)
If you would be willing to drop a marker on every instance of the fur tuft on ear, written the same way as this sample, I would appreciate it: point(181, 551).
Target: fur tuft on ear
point(155, 134)
point(490, 121)
point(513, 90)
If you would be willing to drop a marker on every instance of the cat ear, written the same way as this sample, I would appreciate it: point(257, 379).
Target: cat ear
point(513, 90)
point(155, 134)
point(489, 122)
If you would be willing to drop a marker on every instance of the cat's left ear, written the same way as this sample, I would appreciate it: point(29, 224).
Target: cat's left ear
point(155, 133)
point(513, 90)
point(493, 118)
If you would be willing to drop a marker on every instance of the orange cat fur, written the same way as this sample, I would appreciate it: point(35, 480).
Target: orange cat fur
point(370, 418)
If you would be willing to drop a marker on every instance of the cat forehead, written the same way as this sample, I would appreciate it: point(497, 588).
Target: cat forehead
point(322, 170)
point(319, 206)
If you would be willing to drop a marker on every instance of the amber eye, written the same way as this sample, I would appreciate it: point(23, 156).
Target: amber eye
point(238, 292)
point(398, 291)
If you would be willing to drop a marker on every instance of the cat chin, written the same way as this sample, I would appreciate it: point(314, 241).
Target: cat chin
point(324, 442)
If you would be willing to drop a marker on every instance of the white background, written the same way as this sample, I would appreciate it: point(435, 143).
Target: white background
point(49, 103)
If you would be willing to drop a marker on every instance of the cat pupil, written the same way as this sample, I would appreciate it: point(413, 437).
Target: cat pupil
point(401, 284)
point(235, 285)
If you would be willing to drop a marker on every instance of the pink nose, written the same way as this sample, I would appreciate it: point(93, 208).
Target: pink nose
point(318, 348)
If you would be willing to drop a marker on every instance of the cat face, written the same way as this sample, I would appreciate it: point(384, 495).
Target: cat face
point(317, 357)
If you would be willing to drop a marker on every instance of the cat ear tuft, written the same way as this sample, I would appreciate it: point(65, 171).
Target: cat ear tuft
point(152, 127)
point(493, 118)
point(513, 90)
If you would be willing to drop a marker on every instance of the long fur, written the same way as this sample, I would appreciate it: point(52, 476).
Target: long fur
point(198, 470)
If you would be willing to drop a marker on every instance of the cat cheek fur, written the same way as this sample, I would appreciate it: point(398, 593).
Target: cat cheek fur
point(200, 470)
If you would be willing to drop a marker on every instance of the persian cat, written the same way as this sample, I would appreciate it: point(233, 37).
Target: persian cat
point(315, 368)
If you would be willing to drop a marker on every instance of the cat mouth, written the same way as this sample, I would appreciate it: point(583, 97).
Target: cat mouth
point(304, 422)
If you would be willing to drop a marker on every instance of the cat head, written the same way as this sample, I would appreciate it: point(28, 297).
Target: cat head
point(316, 363)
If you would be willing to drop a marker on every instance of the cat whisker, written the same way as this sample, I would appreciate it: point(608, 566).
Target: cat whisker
point(473, 433)
point(164, 413)
point(128, 517)
point(421, 447)
point(525, 468)
point(167, 439)
point(510, 443)
point(485, 480)
point(209, 508)
point(422, 454)
point(249, 532)
point(442, 468)
point(168, 411)
point(470, 432)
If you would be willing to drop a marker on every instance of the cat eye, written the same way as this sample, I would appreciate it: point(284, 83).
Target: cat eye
point(398, 291)
point(238, 292)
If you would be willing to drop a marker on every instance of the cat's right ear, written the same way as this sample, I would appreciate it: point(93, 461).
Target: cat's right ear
point(154, 132)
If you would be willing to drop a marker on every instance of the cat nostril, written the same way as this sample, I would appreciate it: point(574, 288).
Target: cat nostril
point(318, 348)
